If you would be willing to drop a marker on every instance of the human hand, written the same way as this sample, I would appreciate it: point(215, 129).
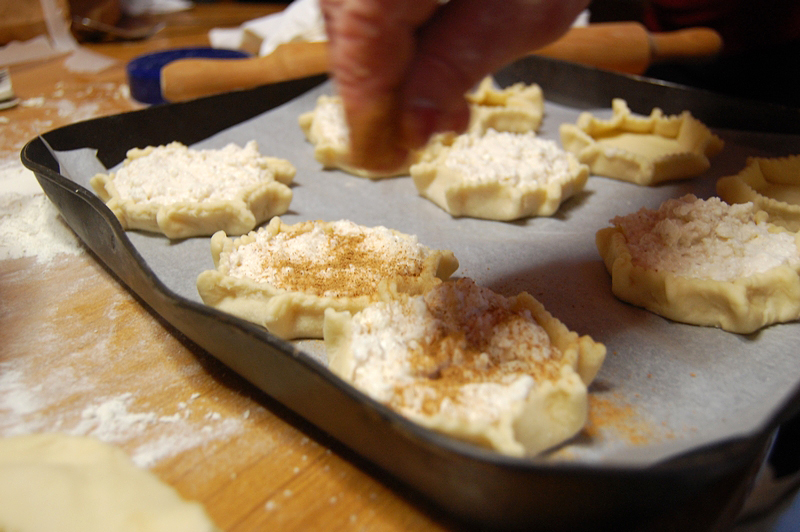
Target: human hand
point(402, 67)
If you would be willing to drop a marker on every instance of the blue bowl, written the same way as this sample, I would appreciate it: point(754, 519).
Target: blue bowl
point(144, 72)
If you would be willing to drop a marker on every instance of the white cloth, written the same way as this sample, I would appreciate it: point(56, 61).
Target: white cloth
point(300, 21)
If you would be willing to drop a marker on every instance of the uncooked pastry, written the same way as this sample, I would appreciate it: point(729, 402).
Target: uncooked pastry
point(498, 371)
point(56, 482)
point(771, 184)
point(283, 276)
point(705, 262)
point(183, 192)
point(519, 108)
point(498, 175)
point(641, 149)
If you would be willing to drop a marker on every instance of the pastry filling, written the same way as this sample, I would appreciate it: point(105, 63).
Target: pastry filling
point(511, 159)
point(330, 123)
point(335, 259)
point(706, 239)
point(460, 350)
point(177, 173)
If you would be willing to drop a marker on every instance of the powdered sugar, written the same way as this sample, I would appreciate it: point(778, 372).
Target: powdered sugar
point(706, 239)
point(460, 347)
point(344, 257)
point(514, 159)
point(176, 173)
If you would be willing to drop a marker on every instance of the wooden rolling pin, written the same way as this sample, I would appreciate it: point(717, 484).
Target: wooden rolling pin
point(619, 46)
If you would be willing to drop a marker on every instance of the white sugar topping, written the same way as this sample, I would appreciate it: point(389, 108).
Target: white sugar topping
point(706, 239)
point(327, 258)
point(459, 350)
point(516, 159)
point(175, 173)
point(329, 122)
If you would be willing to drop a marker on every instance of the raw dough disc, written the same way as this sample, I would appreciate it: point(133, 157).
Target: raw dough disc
point(57, 482)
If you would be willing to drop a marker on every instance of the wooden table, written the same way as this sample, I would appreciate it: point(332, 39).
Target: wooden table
point(78, 353)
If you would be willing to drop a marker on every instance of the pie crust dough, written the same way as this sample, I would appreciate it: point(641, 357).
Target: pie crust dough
point(499, 372)
point(498, 175)
point(64, 483)
point(348, 278)
point(518, 108)
point(206, 194)
point(771, 184)
point(641, 149)
point(742, 305)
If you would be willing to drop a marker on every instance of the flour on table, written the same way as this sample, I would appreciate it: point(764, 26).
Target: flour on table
point(30, 225)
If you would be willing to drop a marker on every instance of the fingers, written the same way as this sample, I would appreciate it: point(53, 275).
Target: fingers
point(463, 42)
point(372, 44)
point(402, 66)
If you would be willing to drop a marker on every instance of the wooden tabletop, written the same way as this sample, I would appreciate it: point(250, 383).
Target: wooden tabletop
point(79, 354)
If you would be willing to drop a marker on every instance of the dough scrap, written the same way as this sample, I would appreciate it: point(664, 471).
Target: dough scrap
point(497, 371)
point(182, 192)
point(52, 481)
point(519, 108)
point(705, 262)
point(498, 175)
point(771, 184)
point(641, 150)
point(283, 276)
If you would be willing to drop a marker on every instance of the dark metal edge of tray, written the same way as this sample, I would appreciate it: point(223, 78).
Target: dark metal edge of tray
point(469, 483)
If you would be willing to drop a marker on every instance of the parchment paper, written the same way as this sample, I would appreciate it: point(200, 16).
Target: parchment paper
point(664, 388)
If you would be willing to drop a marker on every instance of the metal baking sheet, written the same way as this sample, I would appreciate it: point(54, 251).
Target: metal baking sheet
point(677, 410)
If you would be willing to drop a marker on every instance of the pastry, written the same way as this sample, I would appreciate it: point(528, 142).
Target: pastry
point(497, 371)
point(771, 184)
point(705, 262)
point(498, 175)
point(283, 276)
point(518, 108)
point(182, 192)
point(642, 150)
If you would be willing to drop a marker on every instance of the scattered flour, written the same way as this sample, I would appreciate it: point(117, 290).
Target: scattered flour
point(30, 225)
point(114, 419)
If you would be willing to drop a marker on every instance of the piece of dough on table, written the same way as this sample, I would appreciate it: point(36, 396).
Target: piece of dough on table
point(56, 482)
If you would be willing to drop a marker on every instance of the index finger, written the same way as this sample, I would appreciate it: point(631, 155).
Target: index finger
point(371, 47)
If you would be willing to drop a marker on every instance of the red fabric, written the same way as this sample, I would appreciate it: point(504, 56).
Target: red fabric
point(743, 24)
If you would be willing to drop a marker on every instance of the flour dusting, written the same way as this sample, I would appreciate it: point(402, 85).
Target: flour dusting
point(30, 225)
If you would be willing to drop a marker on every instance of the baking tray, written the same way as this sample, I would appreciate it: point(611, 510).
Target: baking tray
point(689, 411)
